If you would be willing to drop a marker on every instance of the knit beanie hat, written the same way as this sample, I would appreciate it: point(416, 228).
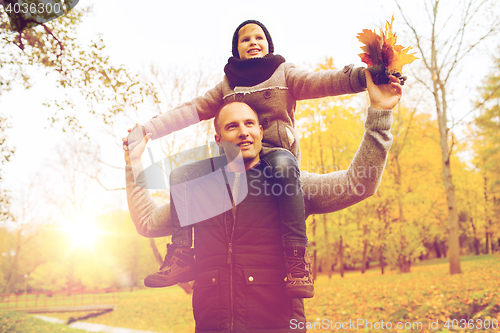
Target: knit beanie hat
point(235, 37)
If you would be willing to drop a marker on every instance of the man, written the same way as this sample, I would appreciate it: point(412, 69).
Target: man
point(239, 286)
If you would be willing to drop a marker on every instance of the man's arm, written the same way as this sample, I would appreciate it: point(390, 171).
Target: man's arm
point(327, 193)
point(323, 193)
point(337, 190)
point(152, 220)
point(149, 219)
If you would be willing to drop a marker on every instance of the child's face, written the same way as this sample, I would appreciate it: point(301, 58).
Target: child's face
point(252, 42)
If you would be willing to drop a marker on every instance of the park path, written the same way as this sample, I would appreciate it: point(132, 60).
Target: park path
point(90, 327)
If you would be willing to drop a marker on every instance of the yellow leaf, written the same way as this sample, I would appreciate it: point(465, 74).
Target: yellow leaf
point(382, 49)
point(400, 59)
point(373, 45)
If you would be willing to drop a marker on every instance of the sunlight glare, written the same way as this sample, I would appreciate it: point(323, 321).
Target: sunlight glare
point(82, 232)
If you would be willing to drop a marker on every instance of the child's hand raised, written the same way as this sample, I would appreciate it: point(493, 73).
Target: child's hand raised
point(384, 96)
point(134, 155)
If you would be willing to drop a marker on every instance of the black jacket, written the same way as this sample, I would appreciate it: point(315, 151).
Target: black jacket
point(240, 283)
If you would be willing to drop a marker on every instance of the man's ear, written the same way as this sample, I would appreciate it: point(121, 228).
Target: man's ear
point(261, 132)
point(217, 138)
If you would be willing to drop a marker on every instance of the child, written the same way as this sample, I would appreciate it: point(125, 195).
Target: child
point(271, 86)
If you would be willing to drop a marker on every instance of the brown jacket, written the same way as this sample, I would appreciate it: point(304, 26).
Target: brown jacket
point(274, 100)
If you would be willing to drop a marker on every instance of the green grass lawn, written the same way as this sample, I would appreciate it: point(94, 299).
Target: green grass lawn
point(158, 310)
point(427, 294)
point(16, 322)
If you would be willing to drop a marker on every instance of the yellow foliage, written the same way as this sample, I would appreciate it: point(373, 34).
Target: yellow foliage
point(382, 49)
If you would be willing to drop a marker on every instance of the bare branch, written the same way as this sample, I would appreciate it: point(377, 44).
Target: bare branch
point(415, 34)
point(109, 165)
point(96, 178)
point(479, 105)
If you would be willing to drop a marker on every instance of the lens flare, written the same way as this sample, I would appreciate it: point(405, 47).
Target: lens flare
point(82, 232)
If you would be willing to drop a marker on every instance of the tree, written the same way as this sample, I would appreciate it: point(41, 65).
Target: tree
point(451, 37)
point(487, 150)
point(6, 152)
point(24, 232)
point(54, 47)
point(330, 129)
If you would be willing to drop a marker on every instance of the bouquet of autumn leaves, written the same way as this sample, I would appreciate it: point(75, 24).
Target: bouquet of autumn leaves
point(383, 56)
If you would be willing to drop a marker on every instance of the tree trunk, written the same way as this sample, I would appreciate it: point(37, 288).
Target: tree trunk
point(341, 254)
point(325, 227)
point(486, 215)
point(436, 247)
point(404, 263)
point(443, 249)
point(315, 251)
point(156, 253)
point(383, 217)
point(490, 234)
point(405, 266)
point(365, 248)
point(439, 76)
point(12, 277)
point(71, 273)
point(476, 240)
point(453, 243)
point(327, 249)
point(487, 249)
point(314, 243)
point(381, 261)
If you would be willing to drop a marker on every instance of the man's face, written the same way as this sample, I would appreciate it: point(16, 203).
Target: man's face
point(252, 42)
point(239, 125)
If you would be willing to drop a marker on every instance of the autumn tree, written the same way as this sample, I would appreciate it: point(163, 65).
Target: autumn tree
point(6, 152)
point(487, 151)
point(331, 129)
point(450, 37)
point(54, 48)
point(414, 169)
point(20, 257)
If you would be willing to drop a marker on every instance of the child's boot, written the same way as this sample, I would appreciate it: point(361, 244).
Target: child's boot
point(299, 282)
point(178, 266)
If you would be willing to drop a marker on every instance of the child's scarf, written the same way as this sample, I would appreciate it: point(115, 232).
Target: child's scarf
point(250, 72)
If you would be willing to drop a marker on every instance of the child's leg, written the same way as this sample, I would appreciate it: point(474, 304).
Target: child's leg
point(178, 265)
point(286, 173)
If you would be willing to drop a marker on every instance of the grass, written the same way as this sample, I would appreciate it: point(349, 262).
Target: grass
point(428, 294)
point(16, 322)
point(158, 310)
point(462, 260)
point(56, 299)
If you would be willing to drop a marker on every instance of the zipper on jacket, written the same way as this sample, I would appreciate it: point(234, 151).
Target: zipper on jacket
point(229, 253)
point(231, 285)
point(230, 245)
point(236, 185)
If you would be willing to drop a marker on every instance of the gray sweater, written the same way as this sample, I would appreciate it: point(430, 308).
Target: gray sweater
point(323, 193)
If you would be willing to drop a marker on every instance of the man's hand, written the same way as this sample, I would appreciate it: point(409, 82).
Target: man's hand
point(384, 96)
point(134, 157)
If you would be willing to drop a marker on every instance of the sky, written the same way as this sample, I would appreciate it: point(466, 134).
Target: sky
point(188, 34)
